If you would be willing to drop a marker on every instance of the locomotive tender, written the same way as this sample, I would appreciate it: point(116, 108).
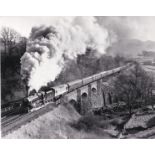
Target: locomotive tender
point(41, 98)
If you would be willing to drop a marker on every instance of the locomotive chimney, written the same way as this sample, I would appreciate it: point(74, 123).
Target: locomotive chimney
point(26, 87)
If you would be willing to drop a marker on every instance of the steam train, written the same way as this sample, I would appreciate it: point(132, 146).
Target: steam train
point(52, 94)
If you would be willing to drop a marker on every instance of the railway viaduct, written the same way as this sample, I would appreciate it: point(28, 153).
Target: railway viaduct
point(92, 96)
point(95, 95)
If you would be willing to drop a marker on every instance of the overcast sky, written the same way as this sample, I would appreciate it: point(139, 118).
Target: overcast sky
point(142, 28)
point(24, 24)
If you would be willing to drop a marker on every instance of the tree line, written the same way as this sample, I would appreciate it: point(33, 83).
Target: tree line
point(12, 47)
point(135, 87)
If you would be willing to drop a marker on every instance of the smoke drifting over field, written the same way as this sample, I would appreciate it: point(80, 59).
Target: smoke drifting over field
point(48, 46)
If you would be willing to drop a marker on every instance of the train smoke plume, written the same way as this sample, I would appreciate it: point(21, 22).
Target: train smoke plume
point(48, 45)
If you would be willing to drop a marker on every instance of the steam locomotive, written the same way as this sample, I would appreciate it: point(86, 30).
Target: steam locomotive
point(52, 94)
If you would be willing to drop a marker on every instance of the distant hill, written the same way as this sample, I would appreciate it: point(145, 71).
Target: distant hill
point(130, 47)
point(148, 53)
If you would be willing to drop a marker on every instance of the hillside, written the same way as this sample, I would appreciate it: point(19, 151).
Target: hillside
point(65, 122)
point(131, 47)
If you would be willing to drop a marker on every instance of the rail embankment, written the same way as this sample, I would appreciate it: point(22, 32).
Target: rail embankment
point(66, 122)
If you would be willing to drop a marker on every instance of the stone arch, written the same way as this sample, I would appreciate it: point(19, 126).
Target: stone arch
point(72, 102)
point(75, 104)
point(94, 90)
point(84, 95)
point(104, 97)
point(84, 103)
point(109, 98)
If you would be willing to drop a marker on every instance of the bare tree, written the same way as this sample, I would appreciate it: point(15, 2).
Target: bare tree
point(134, 88)
point(9, 37)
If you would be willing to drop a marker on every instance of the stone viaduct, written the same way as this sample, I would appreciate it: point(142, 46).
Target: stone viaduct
point(91, 97)
point(94, 95)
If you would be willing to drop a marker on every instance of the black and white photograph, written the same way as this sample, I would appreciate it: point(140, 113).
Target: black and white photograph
point(77, 77)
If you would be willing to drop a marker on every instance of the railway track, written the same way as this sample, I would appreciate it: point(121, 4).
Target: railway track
point(11, 123)
point(6, 120)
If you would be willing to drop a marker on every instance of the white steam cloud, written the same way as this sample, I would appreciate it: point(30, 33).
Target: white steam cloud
point(47, 46)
